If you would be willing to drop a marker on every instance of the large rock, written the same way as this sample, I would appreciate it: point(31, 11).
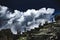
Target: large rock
point(6, 34)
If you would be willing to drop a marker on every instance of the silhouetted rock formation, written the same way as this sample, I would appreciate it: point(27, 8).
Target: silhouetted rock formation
point(49, 31)
point(6, 34)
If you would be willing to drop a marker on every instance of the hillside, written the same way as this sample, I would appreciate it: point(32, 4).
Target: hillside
point(49, 31)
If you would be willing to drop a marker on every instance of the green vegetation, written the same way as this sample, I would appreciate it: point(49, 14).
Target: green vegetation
point(22, 38)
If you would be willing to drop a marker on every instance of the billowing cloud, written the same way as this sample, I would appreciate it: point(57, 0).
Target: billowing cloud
point(24, 21)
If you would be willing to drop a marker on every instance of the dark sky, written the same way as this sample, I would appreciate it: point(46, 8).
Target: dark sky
point(30, 4)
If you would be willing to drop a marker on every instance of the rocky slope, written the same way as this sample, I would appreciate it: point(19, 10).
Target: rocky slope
point(49, 31)
point(7, 35)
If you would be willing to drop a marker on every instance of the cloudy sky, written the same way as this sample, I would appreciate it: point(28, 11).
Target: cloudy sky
point(26, 14)
point(23, 5)
point(20, 21)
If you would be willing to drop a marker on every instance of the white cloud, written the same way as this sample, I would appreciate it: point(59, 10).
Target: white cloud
point(25, 21)
point(3, 10)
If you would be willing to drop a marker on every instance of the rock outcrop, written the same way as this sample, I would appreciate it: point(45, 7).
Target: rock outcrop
point(49, 31)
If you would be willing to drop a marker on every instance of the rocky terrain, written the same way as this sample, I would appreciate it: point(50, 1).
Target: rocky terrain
point(7, 35)
point(50, 31)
